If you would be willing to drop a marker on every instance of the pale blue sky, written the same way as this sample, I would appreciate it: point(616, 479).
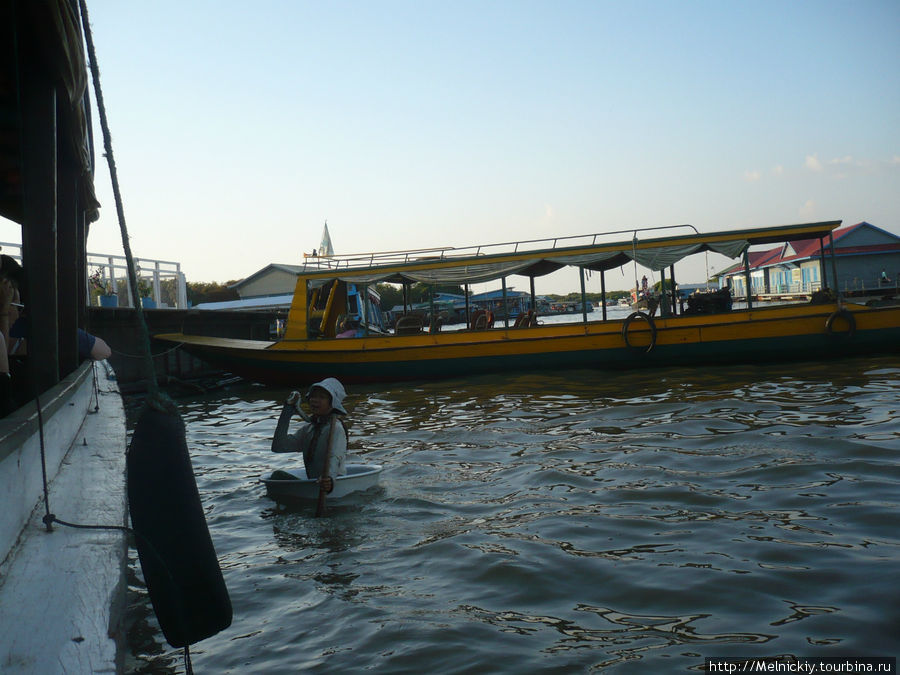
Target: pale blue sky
point(238, 127)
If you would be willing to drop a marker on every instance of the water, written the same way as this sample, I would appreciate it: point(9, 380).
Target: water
point(568, 522)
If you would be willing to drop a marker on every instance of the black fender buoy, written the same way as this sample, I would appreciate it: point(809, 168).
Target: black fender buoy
point(847, 317)
point(650, 323)
point(177, 557)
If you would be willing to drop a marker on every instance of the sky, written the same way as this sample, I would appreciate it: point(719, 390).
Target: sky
point(239, 128)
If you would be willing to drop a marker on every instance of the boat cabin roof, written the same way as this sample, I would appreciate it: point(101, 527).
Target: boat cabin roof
point(534, 258)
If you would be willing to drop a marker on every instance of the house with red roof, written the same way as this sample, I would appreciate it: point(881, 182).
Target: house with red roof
point(862, 253)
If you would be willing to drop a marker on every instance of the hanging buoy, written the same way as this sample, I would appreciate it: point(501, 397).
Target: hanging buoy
point(177, 557)
point(651, 324)
point(844, 316)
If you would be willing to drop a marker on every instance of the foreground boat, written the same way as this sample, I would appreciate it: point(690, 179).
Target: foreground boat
point(62, 425)
point(293, 485)
point(702, 334)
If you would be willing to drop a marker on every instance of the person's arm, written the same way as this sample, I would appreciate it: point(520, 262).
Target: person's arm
point(100, 350)
point(282, 441)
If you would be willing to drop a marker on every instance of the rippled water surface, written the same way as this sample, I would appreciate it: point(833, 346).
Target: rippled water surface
point(562, 522)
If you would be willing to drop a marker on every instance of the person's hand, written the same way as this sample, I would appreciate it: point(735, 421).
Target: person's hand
point(293, 398)
point(327, 483)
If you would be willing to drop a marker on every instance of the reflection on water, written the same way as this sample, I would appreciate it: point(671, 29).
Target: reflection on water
point(564, 522)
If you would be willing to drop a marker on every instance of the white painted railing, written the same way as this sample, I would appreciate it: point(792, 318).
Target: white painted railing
point(113, 268)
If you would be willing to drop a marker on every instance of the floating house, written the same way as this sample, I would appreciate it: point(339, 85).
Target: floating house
point(795, 268)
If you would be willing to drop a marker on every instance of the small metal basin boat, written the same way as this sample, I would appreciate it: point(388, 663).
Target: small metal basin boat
point(293, 484)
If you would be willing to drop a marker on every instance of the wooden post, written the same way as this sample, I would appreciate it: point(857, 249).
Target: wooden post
point(70, 270)
point(837, 288)
point(674, 295)
point(663, 305)
point(39, 158)
point(468, 324)
point(747, 278)
point(603, 292)
point(505, 304)
point(583, 298)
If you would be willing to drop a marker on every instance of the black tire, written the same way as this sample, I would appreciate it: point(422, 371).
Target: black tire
point(848, 318)
point(650, 323)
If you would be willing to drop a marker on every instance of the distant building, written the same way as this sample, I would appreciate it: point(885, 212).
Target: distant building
point(862, 252)
point(273, 279)
point(272, 287)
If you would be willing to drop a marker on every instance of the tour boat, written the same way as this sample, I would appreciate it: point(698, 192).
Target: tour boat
point(702, 333)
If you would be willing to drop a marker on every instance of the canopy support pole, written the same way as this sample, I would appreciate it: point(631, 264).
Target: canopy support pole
point(468, 316)
point(583, 298)
point(674, 294)
point(747, 278)
point(663, 301)
point(837, 288)
point(603, 292)
point(505, 304)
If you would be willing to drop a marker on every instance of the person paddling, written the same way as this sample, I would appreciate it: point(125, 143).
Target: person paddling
point(324, 434)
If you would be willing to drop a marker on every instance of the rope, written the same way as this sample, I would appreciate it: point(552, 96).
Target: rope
point(141, 356)
point(155, 399)
point(95, 394)
point(40, 416)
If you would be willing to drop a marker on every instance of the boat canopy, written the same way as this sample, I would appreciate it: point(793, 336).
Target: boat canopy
point(455, 266)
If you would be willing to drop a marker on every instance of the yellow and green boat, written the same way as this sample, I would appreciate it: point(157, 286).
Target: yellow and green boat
point(830, 326)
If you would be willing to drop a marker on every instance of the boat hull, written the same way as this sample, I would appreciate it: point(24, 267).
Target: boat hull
point(788, 332)
point(359, 477)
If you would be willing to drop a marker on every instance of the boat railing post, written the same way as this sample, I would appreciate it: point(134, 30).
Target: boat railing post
point(112, 275)
point(156, 293)
point(181, 284)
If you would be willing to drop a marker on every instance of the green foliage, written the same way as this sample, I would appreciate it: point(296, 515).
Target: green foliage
point(212, 291)
point(392, 294)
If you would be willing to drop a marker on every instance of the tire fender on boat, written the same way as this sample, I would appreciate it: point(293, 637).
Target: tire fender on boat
point(650, 323)
point(177, 557)
point(847, 317)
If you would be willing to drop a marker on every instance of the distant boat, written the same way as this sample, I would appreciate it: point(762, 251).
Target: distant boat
point(568, 307)
point(701, 333)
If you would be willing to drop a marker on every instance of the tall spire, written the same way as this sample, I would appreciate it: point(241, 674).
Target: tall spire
point(325, 248)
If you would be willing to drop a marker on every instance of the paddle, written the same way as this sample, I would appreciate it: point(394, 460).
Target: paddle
point(320, 506)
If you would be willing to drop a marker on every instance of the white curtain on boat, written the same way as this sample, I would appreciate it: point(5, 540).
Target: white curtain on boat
point(652, 258)
point(660, 258)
